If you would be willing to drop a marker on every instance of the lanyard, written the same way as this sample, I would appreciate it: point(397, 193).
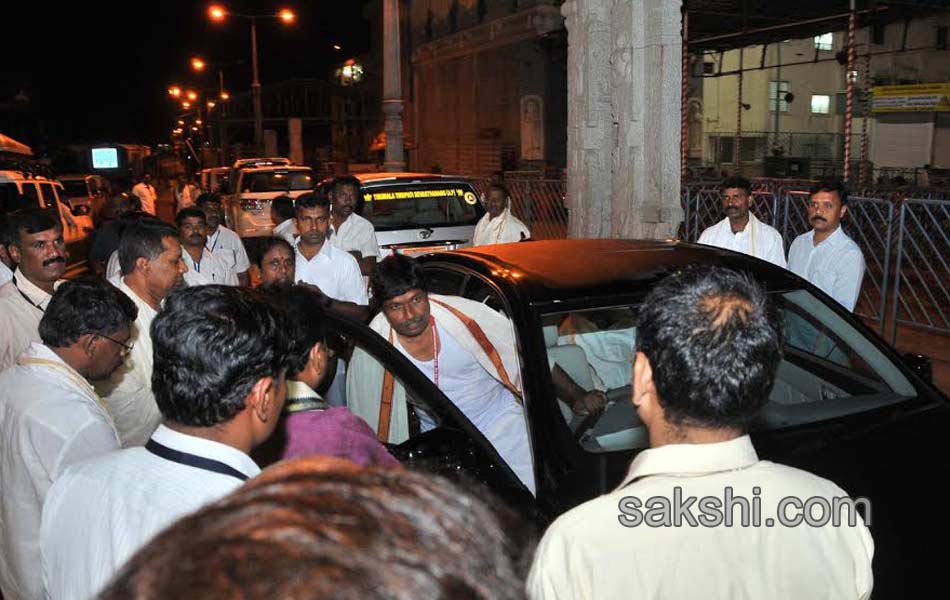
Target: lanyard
point(190, 460)
point(217, 236)
point(27, 298)
point(435, 350)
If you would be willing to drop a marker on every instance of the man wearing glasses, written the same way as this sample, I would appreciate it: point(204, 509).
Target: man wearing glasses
point(151, 260)
point(51, 417)
point(741, 231)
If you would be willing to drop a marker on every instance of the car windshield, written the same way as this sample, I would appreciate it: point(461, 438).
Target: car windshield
point(830, 369)
point(435, 204)
point(277, 181)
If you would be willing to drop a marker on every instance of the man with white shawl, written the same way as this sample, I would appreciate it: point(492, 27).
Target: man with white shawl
point(498, 225)
point(467, 349)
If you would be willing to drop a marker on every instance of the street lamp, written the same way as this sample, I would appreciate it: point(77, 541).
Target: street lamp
point(174, 91)
point(197, 64)
point(218, 13)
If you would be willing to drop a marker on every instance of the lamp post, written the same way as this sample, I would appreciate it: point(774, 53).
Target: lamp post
point(219, 13)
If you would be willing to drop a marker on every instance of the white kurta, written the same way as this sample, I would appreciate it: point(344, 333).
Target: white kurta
point(50, 418)
point(114, 269)
point(287, 230)
point(5, 274)
point(587, 554)
point(335, 272)
point(128, 392)
point(503, 229)
point(756, 239)
point(227, 245)
point(21, 308)
point(835, 266)
point(146, 195)
point(356, 234)
point(100, 512)
point(211, 269)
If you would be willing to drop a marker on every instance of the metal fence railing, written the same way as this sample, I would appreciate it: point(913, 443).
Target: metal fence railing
point(540, 203)
point(905, 242)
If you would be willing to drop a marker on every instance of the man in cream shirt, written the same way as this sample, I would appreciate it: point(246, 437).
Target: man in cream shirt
point(204, 268)
point(740, 230)
point(51, 418)
point(36, 245)
point(152, 267)
point(498, 225)
point(708, 348)
point(349, 231)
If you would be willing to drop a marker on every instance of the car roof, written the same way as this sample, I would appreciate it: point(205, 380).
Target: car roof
point(547, 270)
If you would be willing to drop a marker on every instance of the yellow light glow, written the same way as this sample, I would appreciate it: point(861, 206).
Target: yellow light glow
point(337, 47)
point(211, 104)
point(192, 96)
point(216, 12)
point(225, 96)
point(198, 122)
point(186, 104)
point(174, 91)
point(197, 64)
point(194, 129)
point(180, 122)
point(287, 16)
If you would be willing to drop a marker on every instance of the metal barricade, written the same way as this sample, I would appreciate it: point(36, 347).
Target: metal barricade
point(921, 296)
point(870, 223)
point(540, 203)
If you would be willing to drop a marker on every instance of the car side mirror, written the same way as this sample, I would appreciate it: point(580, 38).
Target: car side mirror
point(920, 364)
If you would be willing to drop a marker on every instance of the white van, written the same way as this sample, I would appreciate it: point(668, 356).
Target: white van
point(247, 207)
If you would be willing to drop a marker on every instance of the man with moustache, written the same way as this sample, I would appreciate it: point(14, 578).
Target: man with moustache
point(741, 231)
point(223, 242)
point(349, 231)
point(37, 247)
point(826, 256)
point(204, 268)
point(498, 225)
point(152, 267)
point(51, 417)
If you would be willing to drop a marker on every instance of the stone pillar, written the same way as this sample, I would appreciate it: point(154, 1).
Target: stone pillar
point(295, 140)
point(392, 87)
point(623, 141)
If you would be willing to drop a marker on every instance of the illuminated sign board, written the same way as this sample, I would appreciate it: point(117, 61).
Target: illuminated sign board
point(925, 97)
point(414, 194)
point(105, 158)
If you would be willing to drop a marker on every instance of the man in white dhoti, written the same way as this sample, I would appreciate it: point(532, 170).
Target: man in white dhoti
point(467, 349)
point(741, 231)
point(152, 267)
point(37, 247)
point(498, 225)
point(51, 417)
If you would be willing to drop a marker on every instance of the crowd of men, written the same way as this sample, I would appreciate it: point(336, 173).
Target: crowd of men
point(135, 405)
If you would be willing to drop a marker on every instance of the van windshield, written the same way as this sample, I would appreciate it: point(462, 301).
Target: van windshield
point(441, 204)
point(277, 181)
point(75, 189)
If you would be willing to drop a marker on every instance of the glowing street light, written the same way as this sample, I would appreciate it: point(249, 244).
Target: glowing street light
point(287, 16)
point(225, 96)
point(217, 12)
point(192, 96)
point(180, 122)
point(197, 64)
point(211, 104)
point(186, 105)
point(174, 91)
point(337, 47)
point(197, 121)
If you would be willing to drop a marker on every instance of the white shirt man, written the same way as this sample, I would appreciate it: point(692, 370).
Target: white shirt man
point(186, 196)
point(50, 418)
point(21, 308)
point(502, 229)
point(226, 245)
point(146, 194)
point(143, 493)
point(756, 239)
point(356, 234)
point(211, 269)
point(587, 553)
point(335, 272)
point(287, 230)
point(5, 274)
point(835, 266)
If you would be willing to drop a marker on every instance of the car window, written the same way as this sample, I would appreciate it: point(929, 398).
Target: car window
point(830, 369)
point(479, 290)
point(444, 281)
point(31, 195)
point(12, 200)
point(432, 204)
point(276, 181)
point(49, 196)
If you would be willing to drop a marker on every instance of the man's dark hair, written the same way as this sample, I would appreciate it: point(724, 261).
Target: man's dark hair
point(306, 327)
point(321, 527)
point(85, 306)
point(311, 200)
point(395, 275)
point(30, 221)
point(830, 185)
point(207, 197)
point(267, 244)
point(737, 181)
point(4, 231)
point(190, 211)
point(342, 180)
point(283, 206)
point(143, 240)
point(212, 343)
point(714, 341)
point(500, 187)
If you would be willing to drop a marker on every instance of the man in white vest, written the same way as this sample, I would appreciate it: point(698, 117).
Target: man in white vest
point(467, 349)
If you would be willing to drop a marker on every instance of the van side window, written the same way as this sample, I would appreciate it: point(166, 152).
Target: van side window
point(31, 195)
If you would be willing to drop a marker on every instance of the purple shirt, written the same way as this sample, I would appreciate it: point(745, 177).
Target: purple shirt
point(335, 432)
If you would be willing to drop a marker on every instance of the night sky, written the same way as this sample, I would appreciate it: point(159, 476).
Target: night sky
point(99, 71)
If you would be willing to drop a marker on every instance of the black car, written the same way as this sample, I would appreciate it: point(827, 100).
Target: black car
point(845, 405)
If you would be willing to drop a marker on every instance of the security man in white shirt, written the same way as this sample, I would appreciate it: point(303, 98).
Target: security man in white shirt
point(36, 245)
point(741, 231)
point(332, 271)
point(826, 256)
point(204, 268)
point(220, 358)
point(152, 267)
point(708, 347)
point(51, 417)
point(146, 194)
point(348, 230)
point(223, 242)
